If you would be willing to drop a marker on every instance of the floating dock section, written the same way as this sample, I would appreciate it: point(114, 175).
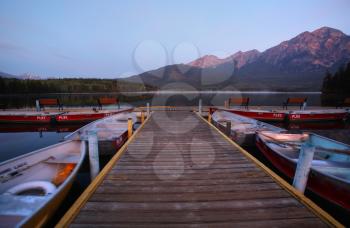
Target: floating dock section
point(178, 170)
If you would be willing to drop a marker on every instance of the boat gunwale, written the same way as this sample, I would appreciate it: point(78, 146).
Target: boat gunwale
point(61, 187)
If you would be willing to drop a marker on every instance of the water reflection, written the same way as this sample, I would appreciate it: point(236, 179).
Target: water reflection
point(19, 139)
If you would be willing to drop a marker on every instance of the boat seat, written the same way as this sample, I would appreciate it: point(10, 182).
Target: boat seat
point(14, 204)
point(64, 159)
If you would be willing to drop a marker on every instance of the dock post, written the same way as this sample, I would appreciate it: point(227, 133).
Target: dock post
point(142, 117)
point(200, 107)
point(148, 111)
point(209, 117)
point(228, 128)
point(37, 105)
point(306, 155)
point(93, 154)
point(129, 127)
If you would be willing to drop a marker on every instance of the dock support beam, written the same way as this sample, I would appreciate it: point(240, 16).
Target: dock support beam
point(37, 105)
point(129, 127)
point(200, 106)
point(209, 117)
point(148, 111)
point(225, 104)
point(228, 128)
point(306, 155)
point(93, 154)
point(142, 117)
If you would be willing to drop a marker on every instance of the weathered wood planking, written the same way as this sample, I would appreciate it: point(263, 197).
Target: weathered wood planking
point(180, 172)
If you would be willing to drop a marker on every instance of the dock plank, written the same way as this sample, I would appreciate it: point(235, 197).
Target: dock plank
point(179, 172)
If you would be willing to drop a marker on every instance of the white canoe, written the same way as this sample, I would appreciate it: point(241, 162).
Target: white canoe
point(33, 185)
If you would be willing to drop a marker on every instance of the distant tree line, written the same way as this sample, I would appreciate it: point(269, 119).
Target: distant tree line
point(74, 85)
point(336, 87)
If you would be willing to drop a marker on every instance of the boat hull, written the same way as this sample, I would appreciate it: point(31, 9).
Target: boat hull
point(85, 117)
point(328, 188)
point(322, 116)
point(294, 116)
point(256, 114)
point(53, 160)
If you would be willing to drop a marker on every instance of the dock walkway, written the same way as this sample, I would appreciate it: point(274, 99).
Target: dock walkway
point(179, 171)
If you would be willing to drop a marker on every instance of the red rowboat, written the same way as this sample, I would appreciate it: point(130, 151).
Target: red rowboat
point(291, 116)
point(27, 117)
point(317, 115)
point(87, 116)
point(330, 172)
point(264, 115)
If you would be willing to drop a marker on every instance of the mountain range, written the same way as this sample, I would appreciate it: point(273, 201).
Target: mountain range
point(293, 65)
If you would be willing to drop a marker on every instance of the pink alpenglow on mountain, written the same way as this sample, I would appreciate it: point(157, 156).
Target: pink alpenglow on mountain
point(207, 61)
point(239, 58)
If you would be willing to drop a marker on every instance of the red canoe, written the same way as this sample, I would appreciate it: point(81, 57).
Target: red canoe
point(317, 115)
point(87, 116)
point(27, 117)
point(291, 116)
point(263, 115)
point(330, 172)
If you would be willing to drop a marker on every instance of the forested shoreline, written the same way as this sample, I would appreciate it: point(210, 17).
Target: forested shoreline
point(336, 87)
point(74, 85)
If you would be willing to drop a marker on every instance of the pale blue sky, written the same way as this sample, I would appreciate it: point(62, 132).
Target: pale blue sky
point(115, 38)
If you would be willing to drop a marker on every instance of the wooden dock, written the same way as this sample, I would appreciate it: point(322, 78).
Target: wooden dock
point(177, 170)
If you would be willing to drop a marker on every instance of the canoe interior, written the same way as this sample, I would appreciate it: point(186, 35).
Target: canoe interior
point(56, 164)
point(108, 128)
point(330, 158)
point(242, 124)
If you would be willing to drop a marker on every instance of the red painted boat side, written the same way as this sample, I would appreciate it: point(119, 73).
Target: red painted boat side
point(330, 189)
point(119, 142)
point(255, 114)
point(26, 119)
point(316, 116)
point(284, 115)
point(85, 117)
